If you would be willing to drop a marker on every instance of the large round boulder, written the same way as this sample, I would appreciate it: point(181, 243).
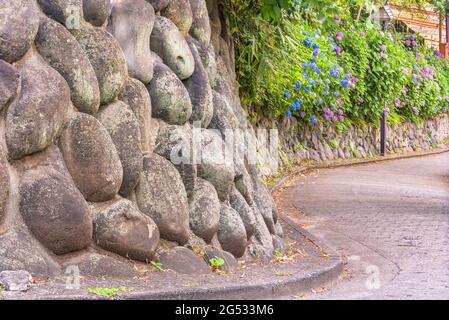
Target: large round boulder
point(55, 211)
point(107, 59)
point(200, 29)
point(261, 246)
point(158, 5)
point(36, 116)
point(136, 96)
point(20, 251)
point(223, 117)
point(207, 55)
point(9, 83)
point(175, 144)
point(215, 161)
point(169, 43)
point(231, 232)
point(170, 99)
point(184, 261)
point(121, 228)
point(204, 210)
point(161, 195)
point(96, 11)
point(19, 21)
point(66, 12)
point(61, 50)
point(180, 13)
point(199, 90)
point(131, 23)
point(264, 202)
point(123, 127)
point(239, 204)
point(91, 158)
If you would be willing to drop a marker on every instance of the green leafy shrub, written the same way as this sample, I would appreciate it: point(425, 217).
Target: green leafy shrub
point(316, 63)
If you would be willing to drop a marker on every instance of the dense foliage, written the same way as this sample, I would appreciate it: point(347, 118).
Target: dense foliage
point(324, 60)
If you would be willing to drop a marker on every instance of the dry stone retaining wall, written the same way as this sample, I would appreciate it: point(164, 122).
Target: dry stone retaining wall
point(300, 142)
point(96, 96)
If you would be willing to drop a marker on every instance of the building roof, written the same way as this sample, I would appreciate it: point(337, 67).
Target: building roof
point(423, 21)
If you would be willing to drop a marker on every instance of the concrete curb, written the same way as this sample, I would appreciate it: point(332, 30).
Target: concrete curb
point(273, 288)
point(392, 157)
point(265, 291)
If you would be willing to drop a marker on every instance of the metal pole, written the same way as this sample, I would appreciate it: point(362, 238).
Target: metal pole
point(447, 30)
point(383, 135)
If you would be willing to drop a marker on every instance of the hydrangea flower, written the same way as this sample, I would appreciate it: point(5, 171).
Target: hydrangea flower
point(288, 114)
point(338, 50)
point(345, 83)
point(302, 114)
point(339, 36)
point(320, 101)
point(296, 106)
point(337, 20)
point(383, 48)
point(287, 95)
point(313, 120)
point(362, 33)
point(308, 88)
point(308, 43)
point(334, 73)
point(384, 56)
point(312, 82)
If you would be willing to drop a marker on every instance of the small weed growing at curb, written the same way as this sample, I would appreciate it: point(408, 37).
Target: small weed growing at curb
point(157, 265)
point(283, 274)
point(107, 292)
point(216, 263)
point(278, 253)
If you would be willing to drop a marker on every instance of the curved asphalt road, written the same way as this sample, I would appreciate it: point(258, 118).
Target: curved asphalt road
point(391, 222)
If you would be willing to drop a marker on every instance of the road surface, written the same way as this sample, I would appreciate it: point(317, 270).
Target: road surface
point(390, 220)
